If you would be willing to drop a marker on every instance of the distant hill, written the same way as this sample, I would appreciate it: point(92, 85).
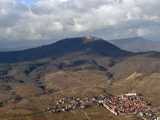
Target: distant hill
point(137, 44)
point(85, 45)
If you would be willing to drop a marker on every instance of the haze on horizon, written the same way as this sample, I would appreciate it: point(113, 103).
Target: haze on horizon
point(28, 23)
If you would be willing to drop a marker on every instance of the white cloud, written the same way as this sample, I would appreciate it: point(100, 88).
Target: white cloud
point(47, 19)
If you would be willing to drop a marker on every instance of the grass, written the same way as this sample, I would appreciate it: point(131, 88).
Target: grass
point(83, 83)
point(94, 113)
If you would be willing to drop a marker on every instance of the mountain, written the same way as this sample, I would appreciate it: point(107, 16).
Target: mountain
point(85, 45)
point(82, 67)
point(137, 44)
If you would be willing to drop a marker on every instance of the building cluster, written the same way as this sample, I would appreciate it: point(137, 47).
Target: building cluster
point(118, 105)
point(71, 103)
point(126, 104)
point(148, 115)
point(130, 104)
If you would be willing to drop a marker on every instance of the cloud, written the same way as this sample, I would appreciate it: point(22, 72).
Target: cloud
point(54, 19)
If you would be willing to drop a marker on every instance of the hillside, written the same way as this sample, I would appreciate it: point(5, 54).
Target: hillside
point(63, 47)
point(137, 44)
point(81, 67)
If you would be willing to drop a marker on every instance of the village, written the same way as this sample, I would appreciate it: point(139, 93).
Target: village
point(126, 104)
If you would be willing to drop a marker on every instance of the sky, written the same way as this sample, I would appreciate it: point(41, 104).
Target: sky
point(28, 2)
point(27, 23)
